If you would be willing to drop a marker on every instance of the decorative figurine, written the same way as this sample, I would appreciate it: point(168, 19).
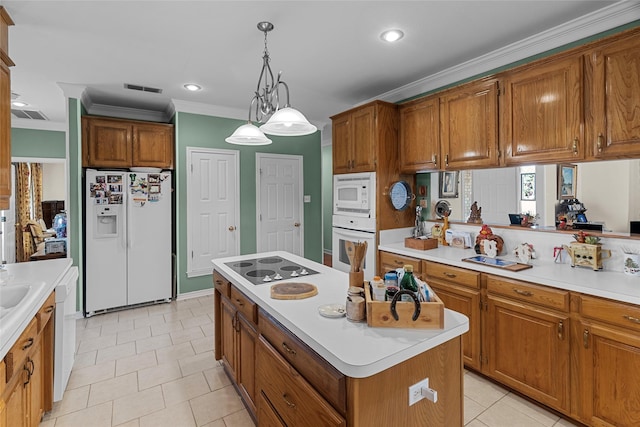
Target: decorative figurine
point(445, 227)
point(587, 251)
point(524, 252)
point(490, 248)
point(487, 234)
point(475, 217)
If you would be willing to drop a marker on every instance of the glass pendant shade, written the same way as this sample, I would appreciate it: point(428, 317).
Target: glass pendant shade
point(248, 134)
point(288, 122)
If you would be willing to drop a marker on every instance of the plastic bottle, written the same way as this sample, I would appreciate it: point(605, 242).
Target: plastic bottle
point(391, 284)
point(379, 289)
point(408, 282)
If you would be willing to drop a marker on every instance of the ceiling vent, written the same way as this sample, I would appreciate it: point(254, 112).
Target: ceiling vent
point(142, 88)
point(29, 114)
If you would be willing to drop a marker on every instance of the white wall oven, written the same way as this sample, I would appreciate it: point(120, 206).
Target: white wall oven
point(354, 219)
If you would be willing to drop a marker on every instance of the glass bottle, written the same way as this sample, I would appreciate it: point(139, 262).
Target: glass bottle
point(408, 282)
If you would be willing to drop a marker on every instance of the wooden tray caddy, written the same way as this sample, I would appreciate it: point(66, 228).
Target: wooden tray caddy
point(379, 313)
point(420, 244)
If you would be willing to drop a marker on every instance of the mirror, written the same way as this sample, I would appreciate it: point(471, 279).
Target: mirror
point(609, 190)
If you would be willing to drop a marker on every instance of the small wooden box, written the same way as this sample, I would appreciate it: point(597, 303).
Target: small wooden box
point(379, 313)
point(420, 244)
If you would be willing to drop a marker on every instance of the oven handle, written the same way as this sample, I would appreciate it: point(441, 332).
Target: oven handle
point(343, 232)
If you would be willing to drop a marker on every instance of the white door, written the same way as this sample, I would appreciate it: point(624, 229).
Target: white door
point(213, 203)
point(279, 200)
point(495, 190)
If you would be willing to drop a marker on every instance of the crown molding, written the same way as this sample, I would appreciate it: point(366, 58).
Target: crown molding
point(126, 112)
point(38, 124)
point(610, 17)
point(72, 90)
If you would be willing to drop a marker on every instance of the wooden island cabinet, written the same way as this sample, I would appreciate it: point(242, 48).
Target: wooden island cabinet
point(117, 143)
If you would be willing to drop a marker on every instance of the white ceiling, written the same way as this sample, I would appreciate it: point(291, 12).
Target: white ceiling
point(329, 51)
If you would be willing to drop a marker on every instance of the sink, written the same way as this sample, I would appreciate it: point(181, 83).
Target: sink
point(10, 296)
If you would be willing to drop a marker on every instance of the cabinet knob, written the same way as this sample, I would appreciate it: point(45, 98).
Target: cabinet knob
point(574, 146)
point(585, 338)
point(288, 349)
point(28, 344)
point(232, 228)
point(561, 330)
point(434, 159)
point(600, 141)
point(631, 319)
point(446, 160)
point(523, 293)
point(288, 402)
point(296, 224)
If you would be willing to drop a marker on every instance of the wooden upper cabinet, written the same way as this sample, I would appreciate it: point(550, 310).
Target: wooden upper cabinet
point(612, 76)
point(361, 137)
point(469, 126)
point(114, 143)
point(419, 135)
point(153, 145)
point(5, 110)
point(542, 113)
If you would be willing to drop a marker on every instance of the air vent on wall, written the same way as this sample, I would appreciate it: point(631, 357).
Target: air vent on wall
point(29, 114)
point(142, 88)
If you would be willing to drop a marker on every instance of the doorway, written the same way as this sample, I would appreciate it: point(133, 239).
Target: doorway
point(279, 198)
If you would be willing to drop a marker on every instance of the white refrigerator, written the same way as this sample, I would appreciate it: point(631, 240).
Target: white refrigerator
point(128, 239)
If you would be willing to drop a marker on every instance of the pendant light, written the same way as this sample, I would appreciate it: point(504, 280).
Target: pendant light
point(285, 121)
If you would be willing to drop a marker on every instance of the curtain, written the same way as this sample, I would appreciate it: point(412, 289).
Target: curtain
point(24, 247)
point(36, 190)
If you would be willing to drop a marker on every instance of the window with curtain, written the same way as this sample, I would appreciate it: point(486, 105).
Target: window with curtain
point(28, 196)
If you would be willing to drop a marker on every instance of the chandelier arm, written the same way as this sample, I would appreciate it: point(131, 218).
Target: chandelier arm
point(286, 86)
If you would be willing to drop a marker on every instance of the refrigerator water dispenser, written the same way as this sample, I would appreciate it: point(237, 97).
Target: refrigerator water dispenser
point(106, 222)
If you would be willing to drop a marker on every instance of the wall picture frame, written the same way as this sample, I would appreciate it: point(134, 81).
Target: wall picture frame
point(567, 181)
point(448, 188)
point(528, 186)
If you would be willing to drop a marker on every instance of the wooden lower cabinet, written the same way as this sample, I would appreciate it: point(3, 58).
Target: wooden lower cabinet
point(390, 261)
point(28, 367)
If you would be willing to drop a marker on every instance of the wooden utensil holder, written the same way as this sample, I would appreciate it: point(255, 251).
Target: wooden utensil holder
point(379, 313)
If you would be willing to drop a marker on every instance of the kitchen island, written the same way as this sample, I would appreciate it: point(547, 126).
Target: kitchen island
point(291, 365)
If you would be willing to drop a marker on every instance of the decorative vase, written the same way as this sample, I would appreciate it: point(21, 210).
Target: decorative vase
point(60, 224)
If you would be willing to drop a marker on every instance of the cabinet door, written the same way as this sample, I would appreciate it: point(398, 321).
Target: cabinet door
point(16, 404)
point(609, 378)
point(152, 145)
point(341, 144)
point(467, 302)
point(611, 105)
point(390, 261)
point(228, 332)
point(527, 348)
point(469, 133)
point(106, 143)
point(247, 337)
point(5, 136)
point(35, 387)
point(542, 113)
point(363, 137)
point(420, 135)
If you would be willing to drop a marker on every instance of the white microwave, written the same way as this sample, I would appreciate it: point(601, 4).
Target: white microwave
point(354, 194)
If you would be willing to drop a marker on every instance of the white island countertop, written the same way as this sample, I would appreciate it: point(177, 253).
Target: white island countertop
point(614, 285)
point(355, 349)
point(43, 276)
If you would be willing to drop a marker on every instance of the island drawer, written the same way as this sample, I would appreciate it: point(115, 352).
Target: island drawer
point(329, 382)
point(244, 305)
point(390, 261)
point(292, 397)
point(523, 291)
point(18, 353)
point(617, 313)
point(221, 284)
point(455, 275)
point(46, 311)
point(267, 415)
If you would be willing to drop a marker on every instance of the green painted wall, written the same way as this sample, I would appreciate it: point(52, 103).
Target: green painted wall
point(46, 144)
point(194, 130)
point(327, 197)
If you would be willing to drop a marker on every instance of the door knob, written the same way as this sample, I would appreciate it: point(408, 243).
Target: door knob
point(231, 228)
point(296, 224)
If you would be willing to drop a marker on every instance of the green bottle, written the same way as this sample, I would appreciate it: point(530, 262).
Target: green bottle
point(408, 282)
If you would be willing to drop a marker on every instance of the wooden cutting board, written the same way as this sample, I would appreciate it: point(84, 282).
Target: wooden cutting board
point(293, 290)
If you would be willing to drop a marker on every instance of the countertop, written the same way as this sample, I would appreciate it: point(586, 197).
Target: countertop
point(614, 285)
point(355, 349)
point(43, 276)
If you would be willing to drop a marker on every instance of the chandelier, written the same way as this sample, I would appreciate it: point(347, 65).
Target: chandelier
point(280, 121)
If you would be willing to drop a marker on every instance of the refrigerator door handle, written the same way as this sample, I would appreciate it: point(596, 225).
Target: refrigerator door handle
point(129, 228)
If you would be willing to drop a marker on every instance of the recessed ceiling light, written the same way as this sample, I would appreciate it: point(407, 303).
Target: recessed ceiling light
point(392, 35)
point(192, 87)
point(19, 104)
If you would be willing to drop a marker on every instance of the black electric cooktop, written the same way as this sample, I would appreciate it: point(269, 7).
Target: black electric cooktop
point(261, 271)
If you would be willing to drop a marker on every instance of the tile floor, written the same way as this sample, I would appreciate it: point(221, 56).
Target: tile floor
point(154, 366)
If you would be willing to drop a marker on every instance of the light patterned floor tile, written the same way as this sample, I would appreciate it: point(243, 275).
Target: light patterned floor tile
point(116, 352)
point(216, 423)
point(134, 363)
point(203, 309)
point(192, 322)
point(178, 337)
point(101, 319)
point(539, 414)
point(184, 389)
point(227, 402)
point(177, 415)
point(502, 415)
point(177, 315)
point(132, 423)
point(137, 405)
point(90, 344)
point(73, 400)
point(239, 419)
point(207, 330)
point(165, 328)
point(482, 391)
point(161, 309)
point(216, 378)
point(198, 363)
point(201, 345)
point(471, 409)
point(476, 423)
point(113, 388)
point(157, 375)
point(95, 416)
point(86, 333)
point(133, 335)
point(134, 313)
point(91, 374)
point(85, 359)
point(148, 321)
point(153, 343)
point(174, 352)
point(114, 328)
point(564, 423)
